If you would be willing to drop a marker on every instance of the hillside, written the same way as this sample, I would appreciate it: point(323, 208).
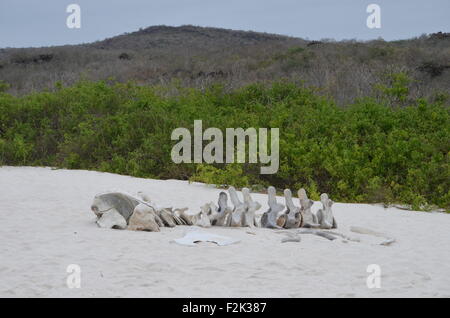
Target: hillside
point(198, 57)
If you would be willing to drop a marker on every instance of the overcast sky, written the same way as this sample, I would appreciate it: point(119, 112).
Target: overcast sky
point(26, 23)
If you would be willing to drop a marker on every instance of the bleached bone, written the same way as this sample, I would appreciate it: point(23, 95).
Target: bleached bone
point(167, 217)
point(143, 219)
point(361, 230)
point(201, 218)
point(323, 234)
point(204, 220)
point(170, 217)
point(223, 217)
point(281, 220)
point(325, 215)
point(237, 215)
point(193, 237)
point(309, 219)
point(158, 219)
point(212, 212)
point(250, 208)
point(269, 218)
point(291, 237)
point(345, 237)
point(144, 196)
point(122, 203)
point(112, 219)
point(293, 214)
point(178, 220)
point(181, 215)
point(125, 204)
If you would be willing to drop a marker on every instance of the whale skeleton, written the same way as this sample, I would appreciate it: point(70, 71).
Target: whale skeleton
point(121, 210)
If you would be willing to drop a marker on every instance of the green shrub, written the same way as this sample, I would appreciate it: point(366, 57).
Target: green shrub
point(368, 151)
point(4, 86)
point(230, 175)
point(397, 89)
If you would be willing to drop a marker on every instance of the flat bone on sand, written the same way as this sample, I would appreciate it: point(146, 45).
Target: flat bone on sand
point(193, 237)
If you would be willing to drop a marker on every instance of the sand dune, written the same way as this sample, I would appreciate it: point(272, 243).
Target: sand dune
point(46, 224)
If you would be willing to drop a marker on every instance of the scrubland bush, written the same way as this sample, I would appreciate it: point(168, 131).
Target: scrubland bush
point(372, 150)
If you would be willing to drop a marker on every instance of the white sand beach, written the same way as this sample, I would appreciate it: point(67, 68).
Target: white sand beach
point(47, 224)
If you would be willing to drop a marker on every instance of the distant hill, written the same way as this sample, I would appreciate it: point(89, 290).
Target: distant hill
point(199, 57)
point(190, 37)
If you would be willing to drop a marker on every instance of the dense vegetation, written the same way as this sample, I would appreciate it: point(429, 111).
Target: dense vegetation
point(386, 148)
point(199, 57)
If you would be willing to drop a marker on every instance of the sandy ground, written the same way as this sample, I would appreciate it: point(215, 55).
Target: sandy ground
point(46, 225)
